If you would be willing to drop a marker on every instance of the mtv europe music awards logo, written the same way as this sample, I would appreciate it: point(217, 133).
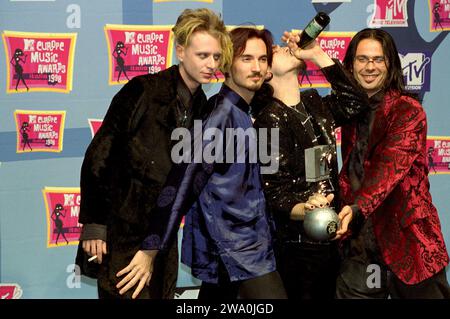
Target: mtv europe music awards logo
point(62, 206)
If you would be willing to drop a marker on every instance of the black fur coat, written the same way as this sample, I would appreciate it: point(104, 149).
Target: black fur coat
point(122, 174)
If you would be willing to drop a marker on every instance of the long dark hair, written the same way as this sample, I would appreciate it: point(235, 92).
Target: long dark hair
point(395, 79)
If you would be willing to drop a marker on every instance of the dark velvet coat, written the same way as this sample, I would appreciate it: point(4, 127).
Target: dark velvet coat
point(123, 171)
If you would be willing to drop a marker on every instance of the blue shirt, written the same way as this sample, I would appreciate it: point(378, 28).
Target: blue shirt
point(227, 216)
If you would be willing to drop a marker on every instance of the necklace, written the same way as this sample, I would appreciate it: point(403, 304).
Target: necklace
point(305, 120)
point(182, 114)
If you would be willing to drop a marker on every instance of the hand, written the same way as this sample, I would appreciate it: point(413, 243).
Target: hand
point(95, 247)
point(318, 200)
point(291, 40)
point(345, 217)
point(139, 272)
point(298, 212)
point(313, 52)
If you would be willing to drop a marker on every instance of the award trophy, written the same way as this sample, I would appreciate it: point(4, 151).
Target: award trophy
point(321, 224)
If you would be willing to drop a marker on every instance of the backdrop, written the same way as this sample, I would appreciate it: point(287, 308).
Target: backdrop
point(63, 61)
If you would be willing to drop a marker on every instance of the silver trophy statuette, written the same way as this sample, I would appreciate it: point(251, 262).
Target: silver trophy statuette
point(321, 224)
point(317, 162)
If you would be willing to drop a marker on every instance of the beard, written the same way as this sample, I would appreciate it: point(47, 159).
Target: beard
point(254, 86)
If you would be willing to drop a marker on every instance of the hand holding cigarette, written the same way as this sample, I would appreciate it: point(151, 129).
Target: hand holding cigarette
point(95, 248)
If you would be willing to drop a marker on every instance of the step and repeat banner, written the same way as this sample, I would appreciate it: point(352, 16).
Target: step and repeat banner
point(62, 61)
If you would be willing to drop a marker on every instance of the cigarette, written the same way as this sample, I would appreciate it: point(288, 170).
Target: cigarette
point(92, 258)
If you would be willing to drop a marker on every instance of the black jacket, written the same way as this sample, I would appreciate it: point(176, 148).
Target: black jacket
point(124, 168)
point(288, 186)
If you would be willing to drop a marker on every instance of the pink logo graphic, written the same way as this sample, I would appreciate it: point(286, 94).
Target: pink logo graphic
point(135, 50)
point(62, 207)
point(39, 61)
point(439, 15)
point(39, 131)
point(335, 45)
point(10, 291)
point(438, 154)
point(94, 124)
point(390, 13)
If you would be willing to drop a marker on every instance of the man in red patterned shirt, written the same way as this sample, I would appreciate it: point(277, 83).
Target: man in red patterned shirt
point(395, 245)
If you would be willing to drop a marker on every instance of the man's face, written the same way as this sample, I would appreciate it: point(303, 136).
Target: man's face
point(284, 61)
point(370, 66)
point(199, 60)
point(249, 70)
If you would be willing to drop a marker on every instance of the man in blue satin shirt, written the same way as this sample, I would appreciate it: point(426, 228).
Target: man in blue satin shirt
point(227, 233)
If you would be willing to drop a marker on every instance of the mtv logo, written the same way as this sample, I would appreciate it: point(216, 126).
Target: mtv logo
point(316, 164)
point(415, 72)
point(392, 13)
point(130, 37)
point(392, 9)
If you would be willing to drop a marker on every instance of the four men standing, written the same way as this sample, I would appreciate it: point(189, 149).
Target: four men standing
point(134, 194)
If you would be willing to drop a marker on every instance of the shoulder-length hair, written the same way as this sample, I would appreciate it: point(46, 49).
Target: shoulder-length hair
point(394, 80)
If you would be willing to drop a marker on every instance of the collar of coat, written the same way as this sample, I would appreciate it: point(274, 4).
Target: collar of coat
point(165, 93)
